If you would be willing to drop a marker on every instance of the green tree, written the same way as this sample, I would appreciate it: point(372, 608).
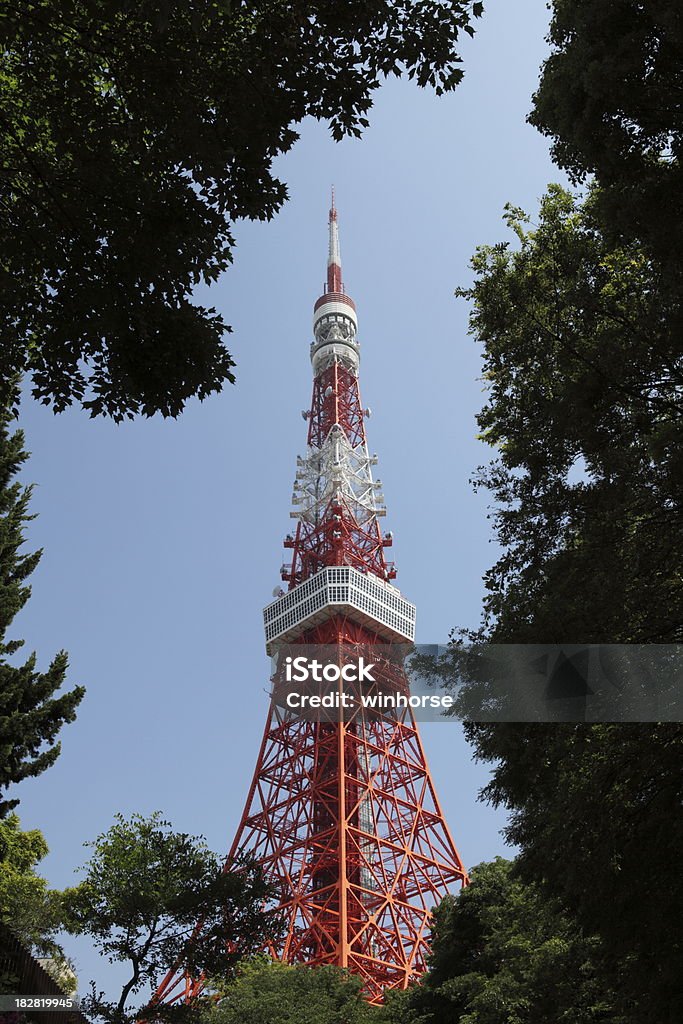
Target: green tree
point(30, 713)
point(145, 889)
point(133, 135)
point(590, 807)
point(581, 327)
point(503, 953)
point(267, 992)
point(31, 910)
point(609, 98)
point(582, 362)
point(583, 366)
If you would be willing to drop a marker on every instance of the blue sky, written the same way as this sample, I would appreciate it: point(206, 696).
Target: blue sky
point(163, 539)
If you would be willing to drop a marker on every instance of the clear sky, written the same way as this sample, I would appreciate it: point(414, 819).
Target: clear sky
point(163, 539)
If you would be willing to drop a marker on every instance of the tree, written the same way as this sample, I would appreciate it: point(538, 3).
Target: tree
point(581, 325)
point(146, 888)
point(583, 368)
point(268, 992)
point(30, 714)
point(609, 98)
point(134, 134)
point(596, 813)
point(31, 910)
point(582, 362)
point(503, 953)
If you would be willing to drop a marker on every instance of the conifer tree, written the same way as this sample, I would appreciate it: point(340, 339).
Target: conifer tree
point(30, 713)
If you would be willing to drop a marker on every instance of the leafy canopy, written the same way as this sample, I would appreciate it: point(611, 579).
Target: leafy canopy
point(581, 323)
point(269, 992)
point(503, 953)
point(609, 98)
point(31, 910)
point(582, 362)
point(583, 370)
point(146, 888)
point(133, 135)
point(589, 806)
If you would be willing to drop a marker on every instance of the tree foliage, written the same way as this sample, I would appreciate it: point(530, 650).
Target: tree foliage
point(134, 134)
point(581, 324)
point(28, 907)
point(30, 713)
point(267, 992)
point(503, 953)
point(146, 888)
point(610, 100)
point(591, 807)
point(584, 373)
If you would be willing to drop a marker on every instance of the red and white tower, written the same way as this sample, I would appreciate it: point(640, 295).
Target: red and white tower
point(342, 815)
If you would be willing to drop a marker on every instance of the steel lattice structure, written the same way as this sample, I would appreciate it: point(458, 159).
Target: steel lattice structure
point(343, 815)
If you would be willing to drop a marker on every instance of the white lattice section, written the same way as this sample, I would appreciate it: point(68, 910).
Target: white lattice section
point(361, 596)
point(337, 471)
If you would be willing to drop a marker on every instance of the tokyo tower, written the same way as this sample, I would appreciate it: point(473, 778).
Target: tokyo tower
point(342, 815)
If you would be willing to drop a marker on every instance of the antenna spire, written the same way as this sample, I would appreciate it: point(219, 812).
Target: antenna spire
point(334, 275)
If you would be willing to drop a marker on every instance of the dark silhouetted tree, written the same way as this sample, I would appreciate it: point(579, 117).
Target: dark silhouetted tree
point(134, 135)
